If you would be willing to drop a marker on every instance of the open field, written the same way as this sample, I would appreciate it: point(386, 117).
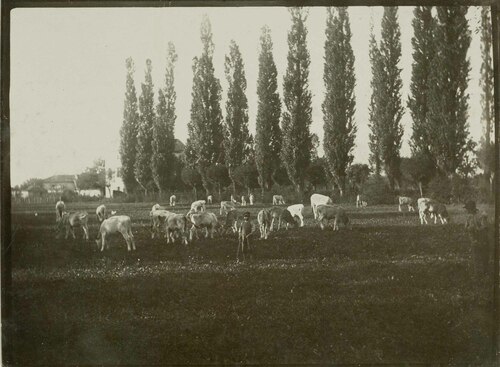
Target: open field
point(387, 291)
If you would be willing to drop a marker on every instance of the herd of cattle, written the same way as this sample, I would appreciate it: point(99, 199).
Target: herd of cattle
point(232, 219)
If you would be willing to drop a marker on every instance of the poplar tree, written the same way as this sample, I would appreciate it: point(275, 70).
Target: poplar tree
point(128, 131)
point(447, 115)
point(376, 106)
point(163, 163)
point(339, 104)
point(296, 119)
point(205, 128)
point(142, 168)
point(268, 134)
point(237, 143)
point(423, 56)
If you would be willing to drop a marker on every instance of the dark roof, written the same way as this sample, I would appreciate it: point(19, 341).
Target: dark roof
point(179, 146)
point(60, 179)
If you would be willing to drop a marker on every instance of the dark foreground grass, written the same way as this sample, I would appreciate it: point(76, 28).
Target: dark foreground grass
point(389, 291)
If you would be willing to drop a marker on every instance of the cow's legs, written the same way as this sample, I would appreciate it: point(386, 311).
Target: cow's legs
point(103, 244)
point(301, 220)
point(86, 232)
point(279, 223)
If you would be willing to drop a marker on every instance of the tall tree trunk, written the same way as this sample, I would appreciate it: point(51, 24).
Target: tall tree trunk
point(420, 188)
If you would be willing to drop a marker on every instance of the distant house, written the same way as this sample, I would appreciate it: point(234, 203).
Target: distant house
point(115, 186)
point(59, 183)
point(92, 193)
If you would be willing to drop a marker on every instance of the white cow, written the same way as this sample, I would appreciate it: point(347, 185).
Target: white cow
point(70, 221)
point(409, 202)
point(264, 218)
point(117, 224)
point(101, 212)
point(226, 206)
point(60, 208)
point(233, 200)
point(423, 209)
point(358, 201)
point(198, 206)
point(328, 212)
point(203, 220)
point(157, 217)
point(176, 223)
point(243, 201)
point(173, 198)
point(281, 214)
point(157, 207)
point(297, 210)
point(209, 199)
point(318, 199)
point(251, 198)
point(278, 200)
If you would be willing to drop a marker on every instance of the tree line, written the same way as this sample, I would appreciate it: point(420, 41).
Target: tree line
point(221, 151)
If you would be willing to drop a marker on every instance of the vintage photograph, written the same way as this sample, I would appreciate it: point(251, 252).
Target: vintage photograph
point(252, 185)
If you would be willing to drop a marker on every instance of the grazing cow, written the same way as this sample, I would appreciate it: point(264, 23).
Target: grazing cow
point(364, 204)
point(198, 206)
point(101, 212)
point(157, 207)
point(278, 200)
point(409, 202)
point(328, 212)
point(70, 221)
point(423, 209)
point(203, 220)
point(209, 199)
point(243, 201)
point(358, 201)
point(176, 223)
point(297, 210)
point(244, 233)
point(438, 210)
point(251, 199)
point(226, 206)
point(233, 200)
point(157, 217)
point(60, 208)
point(232, 218)
point(264, 218)
point(117, 224)
point(281, 214)
point(318, 199)
point(173, 198)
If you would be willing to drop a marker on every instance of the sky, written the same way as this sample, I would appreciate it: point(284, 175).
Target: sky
point(68, 74)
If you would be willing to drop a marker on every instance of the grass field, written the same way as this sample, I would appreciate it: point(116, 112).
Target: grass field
point(387, 291)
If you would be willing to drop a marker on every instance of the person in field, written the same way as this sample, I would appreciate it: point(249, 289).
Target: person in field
point(244, 233)
point(476, 226)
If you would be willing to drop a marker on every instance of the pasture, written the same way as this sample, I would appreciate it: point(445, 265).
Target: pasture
point(387, 291)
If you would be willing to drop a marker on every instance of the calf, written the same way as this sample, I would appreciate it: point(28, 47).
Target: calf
point(328, 212)
point(264, 218)
point(157, 217)
point(281, 214)
point(251, 199)
point(117, 224)
point(409, 202)
point(226, 206)
point(278, 200)
point(70, 221)
point(173, 198)
point(232, 218)
point(101, 212)
point(176, 223)
point(198, 206)
point(243, 201)
point(423, 209)
point(209, 199)
point(438, 210)
point(203, 220)
point(297, 210)
point(318, 199)
point(60, 208)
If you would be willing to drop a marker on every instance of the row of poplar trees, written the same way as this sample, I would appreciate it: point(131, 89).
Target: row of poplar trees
point(438, 106)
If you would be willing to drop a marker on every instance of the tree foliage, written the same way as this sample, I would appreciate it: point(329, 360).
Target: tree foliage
point(447, 115)
point(94, 177)
point(128, 131)
point(376, 105)
point(163, 163)
point(357, 174)
point(297, 118)
point(339, 104)
point(268, 133)
point(142, 169)
point(205, 142)
point(246, 176)
point(237, 142)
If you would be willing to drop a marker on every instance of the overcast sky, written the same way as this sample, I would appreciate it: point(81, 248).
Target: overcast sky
point(68, 74)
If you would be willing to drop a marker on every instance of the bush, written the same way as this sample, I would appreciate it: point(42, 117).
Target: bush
point(376, 190)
